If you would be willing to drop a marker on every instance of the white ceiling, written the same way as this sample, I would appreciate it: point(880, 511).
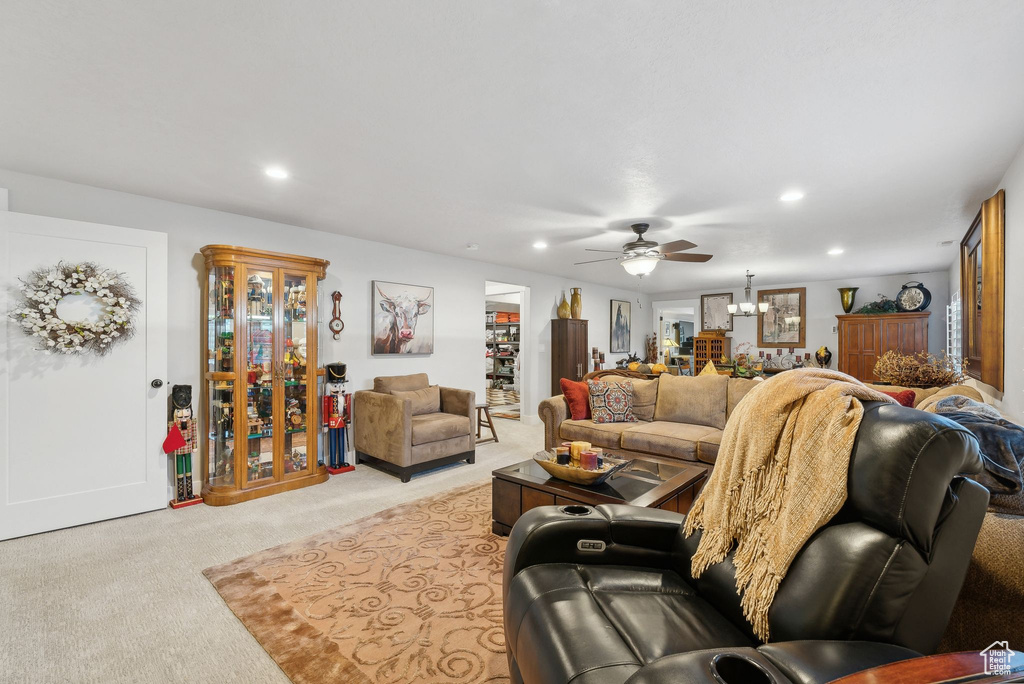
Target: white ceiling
point(433, 124)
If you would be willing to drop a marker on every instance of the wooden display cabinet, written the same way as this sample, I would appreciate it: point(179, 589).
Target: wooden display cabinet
point(260, 352)
point(710, 345)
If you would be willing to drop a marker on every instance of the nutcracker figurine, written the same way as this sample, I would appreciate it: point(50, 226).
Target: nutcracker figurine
point(181, 442)
point(336, 415)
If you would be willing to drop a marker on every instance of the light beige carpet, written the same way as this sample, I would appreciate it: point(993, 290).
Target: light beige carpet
point(412, 594)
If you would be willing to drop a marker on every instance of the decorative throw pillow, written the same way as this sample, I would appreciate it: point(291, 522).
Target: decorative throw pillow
point(645, 394)
point(611, 402)
point(709, 369)
point(578, 396)
point(426, 400)
point(904, 398)
point(698, 401)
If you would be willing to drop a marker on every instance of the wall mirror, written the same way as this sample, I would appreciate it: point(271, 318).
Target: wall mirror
point(981, 290)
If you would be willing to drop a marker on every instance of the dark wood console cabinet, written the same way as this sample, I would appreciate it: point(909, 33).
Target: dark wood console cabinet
point(863, 338)
point(570, 356)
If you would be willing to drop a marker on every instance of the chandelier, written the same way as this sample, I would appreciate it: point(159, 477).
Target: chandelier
point(747, 307)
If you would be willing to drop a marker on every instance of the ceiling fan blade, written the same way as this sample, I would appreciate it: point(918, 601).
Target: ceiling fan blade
point(676, 246)
point(610, 251)
point(594, 261)
point(696, 258)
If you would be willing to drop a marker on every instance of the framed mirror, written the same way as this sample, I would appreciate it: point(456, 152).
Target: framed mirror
point(981, 290)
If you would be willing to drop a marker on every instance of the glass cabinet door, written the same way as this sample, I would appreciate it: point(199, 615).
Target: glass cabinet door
point(222, 434)
point(259, 375)
point(295, 377)
point(221, 320)
point(220, 366)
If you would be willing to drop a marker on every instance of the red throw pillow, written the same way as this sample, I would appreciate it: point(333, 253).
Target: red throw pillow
point(904, 398)
point(578, 396)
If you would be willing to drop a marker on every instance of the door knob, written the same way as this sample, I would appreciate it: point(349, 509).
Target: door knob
point(157, 384)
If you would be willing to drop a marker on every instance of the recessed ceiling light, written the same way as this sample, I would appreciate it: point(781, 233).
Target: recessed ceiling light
point(836, 251)
point(792, 196)
point(276, 172)
point(540, 244)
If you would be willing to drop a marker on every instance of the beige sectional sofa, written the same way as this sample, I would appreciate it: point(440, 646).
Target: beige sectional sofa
point(680, 418)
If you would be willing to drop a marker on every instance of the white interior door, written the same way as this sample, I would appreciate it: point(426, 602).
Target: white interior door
point(80, 436)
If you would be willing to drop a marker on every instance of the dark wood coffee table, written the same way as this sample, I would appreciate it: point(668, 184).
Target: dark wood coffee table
point(945, 668)
point(517, 488)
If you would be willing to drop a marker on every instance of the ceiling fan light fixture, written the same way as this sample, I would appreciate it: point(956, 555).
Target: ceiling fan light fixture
point(640, 265)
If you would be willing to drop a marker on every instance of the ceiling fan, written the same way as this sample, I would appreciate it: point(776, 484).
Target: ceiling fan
point(640, 256)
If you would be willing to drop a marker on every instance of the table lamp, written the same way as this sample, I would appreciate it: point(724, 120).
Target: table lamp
point(668, 343)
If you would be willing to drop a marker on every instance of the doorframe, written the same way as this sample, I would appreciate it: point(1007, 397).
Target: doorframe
point(527, 379)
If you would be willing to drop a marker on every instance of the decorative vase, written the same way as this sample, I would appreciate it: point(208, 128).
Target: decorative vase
point(823, 356)
point(563, 308)
point(577, 301)
point(846, 296)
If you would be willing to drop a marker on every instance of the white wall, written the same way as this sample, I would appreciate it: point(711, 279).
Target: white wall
point(823, 306)
point(1011, 400)
point(459, 286)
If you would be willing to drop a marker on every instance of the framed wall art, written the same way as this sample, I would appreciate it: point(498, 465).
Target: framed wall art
point(403, 318)
point(620, 327)
point(784, 324)
point(714, 312)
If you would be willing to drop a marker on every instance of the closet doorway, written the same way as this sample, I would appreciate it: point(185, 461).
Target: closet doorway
point(505, 355)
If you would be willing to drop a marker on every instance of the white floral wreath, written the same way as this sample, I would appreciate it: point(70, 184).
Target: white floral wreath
point(42, 291)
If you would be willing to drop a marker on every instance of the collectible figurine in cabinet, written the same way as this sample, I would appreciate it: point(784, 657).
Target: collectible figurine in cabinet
point(297, 301)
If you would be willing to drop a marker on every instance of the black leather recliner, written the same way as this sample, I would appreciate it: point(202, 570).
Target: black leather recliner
point(885, 570)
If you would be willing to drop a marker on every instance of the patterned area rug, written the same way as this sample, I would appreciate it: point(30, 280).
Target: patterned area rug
point(412, 594)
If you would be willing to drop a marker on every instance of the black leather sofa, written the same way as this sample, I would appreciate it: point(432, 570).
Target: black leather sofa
point(875, 585)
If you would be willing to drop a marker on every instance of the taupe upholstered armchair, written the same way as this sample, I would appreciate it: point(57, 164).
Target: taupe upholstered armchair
point(406, 425)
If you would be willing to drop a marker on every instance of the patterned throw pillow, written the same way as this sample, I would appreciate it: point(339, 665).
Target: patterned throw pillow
point(611, 402)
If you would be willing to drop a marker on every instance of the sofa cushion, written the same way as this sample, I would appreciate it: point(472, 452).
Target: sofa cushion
point(645, 396)
point(611, 402)
point(607, 435)
point(577, 394)
point(400, 383)
point(699, 401)
point(904, 398)
point(738, 388)
point(426, 400)
point(950, 391)
point(665, 438)
point(433, 427)
point(930, 394)
point(708, 445)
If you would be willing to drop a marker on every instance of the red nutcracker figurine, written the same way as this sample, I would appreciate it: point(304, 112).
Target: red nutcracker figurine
point(181, 442)
point(335, 412)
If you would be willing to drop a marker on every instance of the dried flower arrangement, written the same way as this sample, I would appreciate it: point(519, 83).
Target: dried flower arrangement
point(651, 349)
point(919, 370)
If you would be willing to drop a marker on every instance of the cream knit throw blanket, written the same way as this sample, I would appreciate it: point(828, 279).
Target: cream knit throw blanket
point(780, 475)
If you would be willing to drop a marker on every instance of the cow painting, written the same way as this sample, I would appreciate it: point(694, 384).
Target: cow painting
point(403, 319)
